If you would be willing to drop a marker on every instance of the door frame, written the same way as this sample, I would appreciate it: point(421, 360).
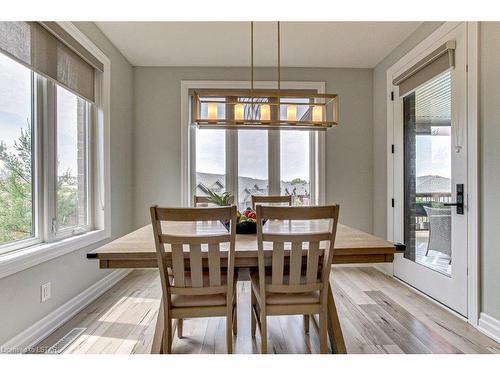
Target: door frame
point(472, 200)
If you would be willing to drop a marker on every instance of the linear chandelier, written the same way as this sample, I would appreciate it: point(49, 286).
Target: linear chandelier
point(264, 108)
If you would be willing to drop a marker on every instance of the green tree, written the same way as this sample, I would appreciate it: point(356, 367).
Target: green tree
point(297, 181)
point(16, 217)
point(15, 190)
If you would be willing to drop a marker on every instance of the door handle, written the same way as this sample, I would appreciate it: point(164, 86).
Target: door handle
point(459, 204)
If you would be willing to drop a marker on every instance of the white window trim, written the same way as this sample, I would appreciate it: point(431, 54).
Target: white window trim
point(473, 292)
point(19, 260)
point(319, 174)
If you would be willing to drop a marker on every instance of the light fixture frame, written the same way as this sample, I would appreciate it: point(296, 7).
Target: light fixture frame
point(273, 98)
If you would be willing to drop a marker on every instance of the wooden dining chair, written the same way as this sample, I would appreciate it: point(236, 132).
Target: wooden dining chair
point(195, 282)
point(297, 281)
point(271, 199)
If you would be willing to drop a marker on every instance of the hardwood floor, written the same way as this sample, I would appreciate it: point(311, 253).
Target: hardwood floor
point(377, 313)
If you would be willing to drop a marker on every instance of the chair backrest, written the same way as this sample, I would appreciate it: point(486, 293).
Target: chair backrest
point(204, 201)
point(271, 199)
point(307, 268)
point(187, 276)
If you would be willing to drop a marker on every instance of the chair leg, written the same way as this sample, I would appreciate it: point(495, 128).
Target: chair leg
point(229, 330)
point(323, 327)
point(263, 333)
point(252, 315)
point(179, 328)
point(167, 336)
point(306, 324)
point(235, 319)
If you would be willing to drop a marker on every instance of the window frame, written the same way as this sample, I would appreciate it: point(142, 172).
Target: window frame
point(317, 141)
point(48, 243)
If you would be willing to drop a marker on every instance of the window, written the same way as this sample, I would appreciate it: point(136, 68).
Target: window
point(73, 161)
point(210, 161)
point(295, 162)
point(252, 166)
point(246, 160)
point(52, 143)
point(17, 193)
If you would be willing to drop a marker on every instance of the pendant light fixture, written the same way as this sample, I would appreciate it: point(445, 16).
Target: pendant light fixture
point(261, 108)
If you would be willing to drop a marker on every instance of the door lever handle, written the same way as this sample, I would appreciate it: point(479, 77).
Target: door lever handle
point(459, 204)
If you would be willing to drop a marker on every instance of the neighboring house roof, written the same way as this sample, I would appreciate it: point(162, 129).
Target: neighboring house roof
point(247, 186)
point(433, 184)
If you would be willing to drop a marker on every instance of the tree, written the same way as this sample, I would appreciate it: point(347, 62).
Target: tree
point(297, 181)
point(16, 212)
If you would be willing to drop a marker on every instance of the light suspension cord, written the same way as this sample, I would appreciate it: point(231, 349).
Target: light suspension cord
point(251, 69)
point(279, 58)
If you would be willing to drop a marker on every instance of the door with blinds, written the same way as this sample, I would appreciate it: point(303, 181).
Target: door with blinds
point(430, 171)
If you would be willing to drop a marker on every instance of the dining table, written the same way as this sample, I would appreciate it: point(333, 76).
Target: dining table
point(352, 246)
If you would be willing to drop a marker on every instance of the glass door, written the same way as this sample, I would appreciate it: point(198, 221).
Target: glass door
point(433, 161)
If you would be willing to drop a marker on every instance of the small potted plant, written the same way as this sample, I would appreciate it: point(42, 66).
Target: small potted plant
point(247, 220)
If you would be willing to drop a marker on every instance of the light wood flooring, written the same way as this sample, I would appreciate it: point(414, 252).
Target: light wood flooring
point(378, 315)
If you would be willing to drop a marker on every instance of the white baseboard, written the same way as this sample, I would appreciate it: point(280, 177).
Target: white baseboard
point(45, 326)
point(489, 326)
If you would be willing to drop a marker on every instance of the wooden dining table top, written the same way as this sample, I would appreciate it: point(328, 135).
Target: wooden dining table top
point(137, 249)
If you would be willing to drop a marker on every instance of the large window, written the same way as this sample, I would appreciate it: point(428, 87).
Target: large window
point(254, 162)
point(46, 162)
point(17, 209)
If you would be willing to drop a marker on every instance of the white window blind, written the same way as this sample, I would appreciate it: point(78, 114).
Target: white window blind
point(47, 49)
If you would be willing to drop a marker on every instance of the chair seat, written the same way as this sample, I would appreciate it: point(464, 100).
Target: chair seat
point(179, 300)
point(204, 300)
point(283, 298)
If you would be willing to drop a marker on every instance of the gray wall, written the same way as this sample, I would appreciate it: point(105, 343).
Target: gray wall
point(20, 305)
point(489, 148)
point(157, 135)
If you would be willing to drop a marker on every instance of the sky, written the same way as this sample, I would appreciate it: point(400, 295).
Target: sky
point(253, 153)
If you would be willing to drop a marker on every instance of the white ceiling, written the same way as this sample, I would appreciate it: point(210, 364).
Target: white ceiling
point(303, 44)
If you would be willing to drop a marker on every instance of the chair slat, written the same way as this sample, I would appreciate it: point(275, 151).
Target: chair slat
point(178, 265)
point(214, 274)
point(312, 262)
point(295, 263)
point(196, 266)
point(277, 265)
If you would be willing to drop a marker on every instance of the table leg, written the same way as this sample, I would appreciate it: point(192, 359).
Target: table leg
point(157, 346)
point(334, 329)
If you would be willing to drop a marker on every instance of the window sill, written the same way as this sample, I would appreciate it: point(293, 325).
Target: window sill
point(22, 259)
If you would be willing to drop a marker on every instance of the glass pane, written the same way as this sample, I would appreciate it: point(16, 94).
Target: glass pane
point(16, 157)
point(210, 161)
point(72, 160)
point(295, 174)
point(252, 166)
point(427, 132)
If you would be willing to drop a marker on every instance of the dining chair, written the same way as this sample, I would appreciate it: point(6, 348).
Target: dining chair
point(204, 201)
point(195, 282)
point(297, 281)
point(271, 199)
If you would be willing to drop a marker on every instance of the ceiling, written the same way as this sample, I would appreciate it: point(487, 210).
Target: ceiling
point(303, 44)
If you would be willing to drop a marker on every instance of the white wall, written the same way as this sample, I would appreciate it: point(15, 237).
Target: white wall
point(20, 305)
point(157, 135)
